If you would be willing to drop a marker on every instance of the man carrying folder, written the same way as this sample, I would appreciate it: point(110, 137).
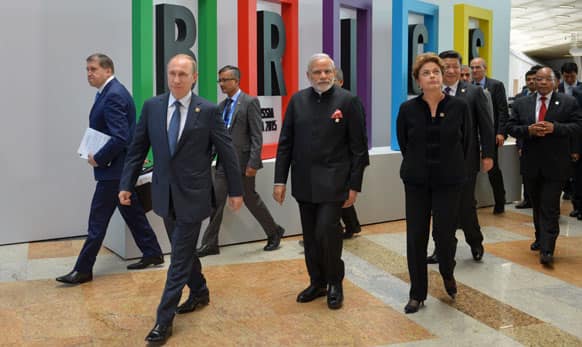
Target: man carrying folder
point(113, 113)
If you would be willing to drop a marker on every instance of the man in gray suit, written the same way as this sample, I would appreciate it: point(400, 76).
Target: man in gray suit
point(242, 116)
point(181, 129)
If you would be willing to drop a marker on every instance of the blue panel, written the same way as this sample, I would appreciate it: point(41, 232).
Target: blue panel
point(400, 12)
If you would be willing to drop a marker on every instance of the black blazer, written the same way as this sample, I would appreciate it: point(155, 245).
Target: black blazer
point(561, 86)
point(454, 132)
point(482, 134)
point(548, 155)
point(183, 177)
point(500, 108)
point(327, 157)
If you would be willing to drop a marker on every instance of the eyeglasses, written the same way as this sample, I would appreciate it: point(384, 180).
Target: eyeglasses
point(224, 80)
point(465, 74)
point(426, 73)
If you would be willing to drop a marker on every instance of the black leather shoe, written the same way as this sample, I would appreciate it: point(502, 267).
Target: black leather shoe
point(159, 334)
point(477, 252)
point(499, 209)
point(413, 306)
point(433, 258)
point(145, 262)
point(311, 293)
point(274, 241)
point(76, 277)
point(347, 235)
point(335, 296)
point(200, 299)
point(451, 287)
point(575, 213)
point(523, 204)
point(546, 258)
point(535, 246)
point(207, 250)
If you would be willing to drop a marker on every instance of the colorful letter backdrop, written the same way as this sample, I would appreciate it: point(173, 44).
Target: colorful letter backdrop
point(400, 70)
point(331, 45)
point(247, 53)
point(463, 13)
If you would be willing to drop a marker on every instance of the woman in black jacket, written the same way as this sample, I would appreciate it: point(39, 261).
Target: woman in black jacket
point(433, 134)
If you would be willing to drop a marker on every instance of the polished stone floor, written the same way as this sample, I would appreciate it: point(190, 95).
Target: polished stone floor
point(508, 299)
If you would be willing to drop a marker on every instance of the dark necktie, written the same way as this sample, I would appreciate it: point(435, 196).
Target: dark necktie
point(227, 108)
point(448, 90)
point(174, 128)
point(97, 96)
point(543, 109)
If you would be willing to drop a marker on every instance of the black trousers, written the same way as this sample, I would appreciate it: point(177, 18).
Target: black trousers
point(422, 201)
point(185, 267)
point(322, 241)
point(468, 219)
point(544, 195)
point(577, 196)
point(350, 219)
point(496, 180)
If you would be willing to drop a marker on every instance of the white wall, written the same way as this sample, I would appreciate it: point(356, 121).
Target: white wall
point(45, 187)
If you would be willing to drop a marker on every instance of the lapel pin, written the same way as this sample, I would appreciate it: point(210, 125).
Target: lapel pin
point(463, 90)
point(197, 109)
point(441, 115)
point(557, 103)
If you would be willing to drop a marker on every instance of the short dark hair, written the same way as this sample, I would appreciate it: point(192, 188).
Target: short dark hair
point(530, 72)
point(536, 67)
point(450, 54)
point(569, 67)
point(235, 71)
point(103, 60)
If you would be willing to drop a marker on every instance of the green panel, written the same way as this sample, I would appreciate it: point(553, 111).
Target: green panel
point(207, 49)
point(142, 31)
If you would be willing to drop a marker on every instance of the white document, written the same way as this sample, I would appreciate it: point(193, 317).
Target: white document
point(92, 142)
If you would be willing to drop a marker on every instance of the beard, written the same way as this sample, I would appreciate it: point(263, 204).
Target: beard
point(322, 88)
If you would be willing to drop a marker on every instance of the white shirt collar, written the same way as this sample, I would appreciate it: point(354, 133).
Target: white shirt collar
point(100, 90)
point(185, 101)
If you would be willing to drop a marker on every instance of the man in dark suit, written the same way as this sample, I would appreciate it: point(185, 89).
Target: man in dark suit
point(481, 152)
point(322, 140)
point(576, 144)
point(570, 81)
point(500, 115)
point(242, 116)
point(181, 129)
point(113, 113)
point(349, 215)
point(545, 122)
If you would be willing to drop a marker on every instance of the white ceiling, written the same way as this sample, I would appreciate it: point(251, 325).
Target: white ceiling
point(546, 29)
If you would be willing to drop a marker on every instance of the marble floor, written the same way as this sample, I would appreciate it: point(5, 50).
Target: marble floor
point(508, 299)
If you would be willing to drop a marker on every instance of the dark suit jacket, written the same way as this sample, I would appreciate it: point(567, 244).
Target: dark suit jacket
point(548, 155)
point(423, 164)
point(482, 134)
point(327, 158)
point(561, 86)
point(113, 113)
point(246, 131)
point(184, 177)
point(500, 108)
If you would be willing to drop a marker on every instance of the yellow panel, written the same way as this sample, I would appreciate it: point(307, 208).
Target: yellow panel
point(462, 14)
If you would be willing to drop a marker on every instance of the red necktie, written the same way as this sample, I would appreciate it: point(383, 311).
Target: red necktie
point(543, 109)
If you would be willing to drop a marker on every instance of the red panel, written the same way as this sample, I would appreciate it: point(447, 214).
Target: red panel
point(247, 53)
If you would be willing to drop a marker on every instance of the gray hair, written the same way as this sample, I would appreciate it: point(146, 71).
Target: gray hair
point(318, 56)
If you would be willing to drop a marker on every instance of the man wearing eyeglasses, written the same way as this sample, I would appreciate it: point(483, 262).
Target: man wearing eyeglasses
point(500, 115)
point(242, 116)
point(466, 73)
point(544, 122)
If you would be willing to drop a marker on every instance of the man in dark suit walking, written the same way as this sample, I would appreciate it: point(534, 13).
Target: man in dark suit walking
point(500, 115)
point(481, 152)
point(181, 129)
point(323, 143)
point(545, 122)
point(242, 116)
point(570, 81)
point(113, 113)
